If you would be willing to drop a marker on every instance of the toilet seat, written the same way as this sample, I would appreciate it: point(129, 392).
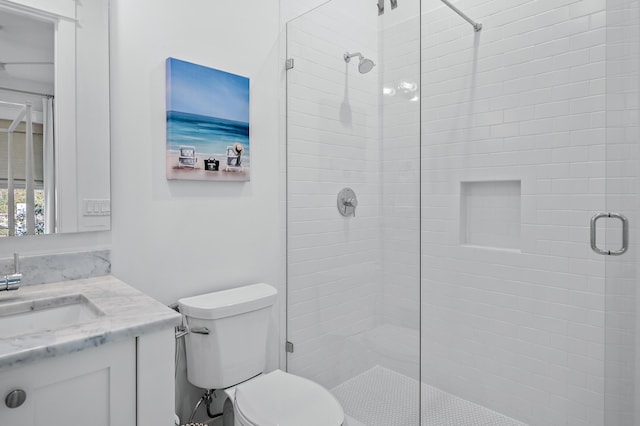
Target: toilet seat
point(283, 399)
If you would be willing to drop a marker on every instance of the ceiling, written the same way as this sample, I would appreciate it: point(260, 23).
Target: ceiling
point(26, 39)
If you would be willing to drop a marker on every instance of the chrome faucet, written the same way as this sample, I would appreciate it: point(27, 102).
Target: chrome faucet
point(12, 281)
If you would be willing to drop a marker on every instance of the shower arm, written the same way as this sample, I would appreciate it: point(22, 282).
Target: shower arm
point(476, 25)
point(347, 56)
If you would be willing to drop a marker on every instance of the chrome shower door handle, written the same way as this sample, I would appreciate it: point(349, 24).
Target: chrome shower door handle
point(625, 234)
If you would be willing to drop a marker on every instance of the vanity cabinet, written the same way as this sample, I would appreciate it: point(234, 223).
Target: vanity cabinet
point(115, 368)
point(95, 386)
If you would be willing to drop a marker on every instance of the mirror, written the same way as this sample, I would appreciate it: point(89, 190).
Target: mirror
point(54, 116)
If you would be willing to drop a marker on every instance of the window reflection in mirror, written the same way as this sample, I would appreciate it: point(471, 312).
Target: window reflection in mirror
point(76, 193)
point(27, 76)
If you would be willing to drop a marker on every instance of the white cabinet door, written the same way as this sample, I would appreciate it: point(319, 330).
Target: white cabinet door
point(94, 387)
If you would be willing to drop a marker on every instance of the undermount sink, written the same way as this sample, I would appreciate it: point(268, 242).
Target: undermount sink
point(47, 314)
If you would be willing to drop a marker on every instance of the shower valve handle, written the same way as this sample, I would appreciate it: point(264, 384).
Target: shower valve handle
point(351, 202)
point(347, 202)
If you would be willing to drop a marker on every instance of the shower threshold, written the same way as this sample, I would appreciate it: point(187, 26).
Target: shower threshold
point(382, 397)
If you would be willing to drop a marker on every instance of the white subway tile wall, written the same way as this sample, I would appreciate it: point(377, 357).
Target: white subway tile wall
point(521, 333)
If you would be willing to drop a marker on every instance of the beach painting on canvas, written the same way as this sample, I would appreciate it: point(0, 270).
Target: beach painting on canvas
point(207, 123)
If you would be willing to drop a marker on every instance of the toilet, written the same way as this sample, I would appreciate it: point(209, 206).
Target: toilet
point(226, 349)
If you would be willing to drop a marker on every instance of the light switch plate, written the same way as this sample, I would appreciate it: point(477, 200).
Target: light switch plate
point(96, 207)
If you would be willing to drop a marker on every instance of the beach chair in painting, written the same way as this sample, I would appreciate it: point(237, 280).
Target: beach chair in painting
point(187, 156)
point(234, 157)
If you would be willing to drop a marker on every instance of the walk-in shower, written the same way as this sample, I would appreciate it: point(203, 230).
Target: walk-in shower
point(364, 64)
point(465, 291)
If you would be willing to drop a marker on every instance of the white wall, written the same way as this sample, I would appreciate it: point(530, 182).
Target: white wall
point(178, 238)
point(518, 330)
point(173, 239)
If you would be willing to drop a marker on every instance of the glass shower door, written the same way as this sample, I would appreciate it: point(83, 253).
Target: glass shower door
point(353, 207)
point(622, 351)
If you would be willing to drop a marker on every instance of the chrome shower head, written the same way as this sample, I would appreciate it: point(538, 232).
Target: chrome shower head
point(364, 66)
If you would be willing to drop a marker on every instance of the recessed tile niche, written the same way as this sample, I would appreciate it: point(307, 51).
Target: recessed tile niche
point(490, 214)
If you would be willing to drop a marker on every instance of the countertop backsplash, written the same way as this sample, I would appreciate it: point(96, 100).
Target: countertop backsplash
point(60, 267)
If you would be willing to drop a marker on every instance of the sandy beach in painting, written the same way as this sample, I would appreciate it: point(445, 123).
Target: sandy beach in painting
point(199, 173)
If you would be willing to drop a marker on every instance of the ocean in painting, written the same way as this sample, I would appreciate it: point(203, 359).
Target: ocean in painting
point(209, 135)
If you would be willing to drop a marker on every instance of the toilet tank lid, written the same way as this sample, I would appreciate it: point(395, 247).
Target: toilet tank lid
point(230, 302)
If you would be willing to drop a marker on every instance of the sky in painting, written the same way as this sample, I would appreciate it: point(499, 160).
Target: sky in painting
point(200, 90)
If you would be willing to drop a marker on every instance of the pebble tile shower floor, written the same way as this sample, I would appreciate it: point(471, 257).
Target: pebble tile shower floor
point(382, 397)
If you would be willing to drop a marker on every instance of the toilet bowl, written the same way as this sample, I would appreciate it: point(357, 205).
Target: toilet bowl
point(226, 349)
point(283, 399)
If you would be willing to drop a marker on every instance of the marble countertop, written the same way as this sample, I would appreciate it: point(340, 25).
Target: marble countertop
point(126, 313)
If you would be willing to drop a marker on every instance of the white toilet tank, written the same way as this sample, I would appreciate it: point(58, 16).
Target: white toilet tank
point(238, 324)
